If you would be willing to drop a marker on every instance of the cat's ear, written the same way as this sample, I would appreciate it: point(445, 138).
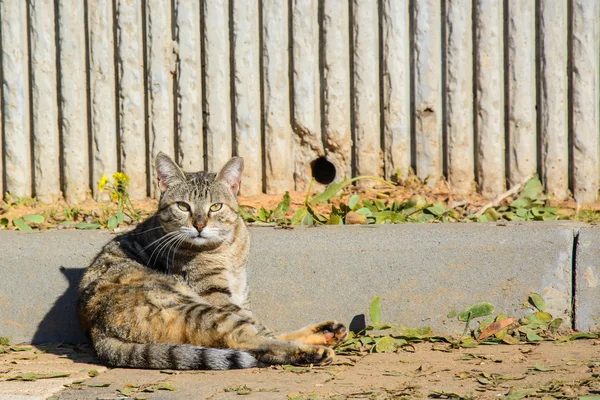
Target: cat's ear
point(231, 173)
point(167, 172)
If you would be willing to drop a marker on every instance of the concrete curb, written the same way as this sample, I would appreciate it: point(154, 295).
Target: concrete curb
point(300, 276)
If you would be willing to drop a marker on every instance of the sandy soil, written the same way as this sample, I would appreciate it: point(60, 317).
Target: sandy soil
point(547, 370)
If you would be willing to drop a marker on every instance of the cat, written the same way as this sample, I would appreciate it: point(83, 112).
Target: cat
point(172, 293)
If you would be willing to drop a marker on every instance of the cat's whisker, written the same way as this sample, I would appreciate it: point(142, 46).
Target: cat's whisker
point(171, 247)
point(177, 246)
point(164, 246)
point(161, 242)
point(157, 240)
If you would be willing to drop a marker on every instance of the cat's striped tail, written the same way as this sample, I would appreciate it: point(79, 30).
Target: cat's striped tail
point(118, 353)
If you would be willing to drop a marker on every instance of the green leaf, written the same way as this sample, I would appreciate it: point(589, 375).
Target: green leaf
point(533, 337)
point(263, 215)
point(21, 225)
point(4, 340)
point(331, 191)
point(93, 372)
point(353, 201)
point(452, 313)
point(476, 310)
point(537, 301)
point(300, 215)
point(86, 225)
point(541, 368)
point(282, 207)
point(120, 216)
point(379, 205)
point(335, 220)
point(375, 310)
point(125, 391)
point(35, 218)
point(555, 325)
point(544, 316)
point(437, 209)
point(533, 189)
point(386, 344)
point(364, 211)
point(166, 386)
point(99, 384)
point(522, 203)
point(583, 336)
point(112, 223)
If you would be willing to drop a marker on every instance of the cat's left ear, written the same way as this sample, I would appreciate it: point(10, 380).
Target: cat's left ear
point(231, 173)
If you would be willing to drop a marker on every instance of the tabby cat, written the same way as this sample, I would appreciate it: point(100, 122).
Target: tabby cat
point(172, 293)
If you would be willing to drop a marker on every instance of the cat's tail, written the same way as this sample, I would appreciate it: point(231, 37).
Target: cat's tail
point(119, 353)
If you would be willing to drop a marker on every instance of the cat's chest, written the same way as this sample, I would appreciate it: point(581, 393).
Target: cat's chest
point(237, 286)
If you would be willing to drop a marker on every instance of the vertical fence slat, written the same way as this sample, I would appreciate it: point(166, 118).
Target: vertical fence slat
point(217, 106)
point(102, 91)
point(131, 111)
point(586, 93)
point(15, 97)
point(278, 144)
point(160, 64)
point(46, 149)
point(553, 104)
point(396, 87)
point(428, 96)
point(336, 89)
point(489, 98)
point(190, 146)
point(246, 52)
point(365, 80)
point(306, 89)
point(73, 100)
point(459, 96)
point(521, 129)
point(2, 176)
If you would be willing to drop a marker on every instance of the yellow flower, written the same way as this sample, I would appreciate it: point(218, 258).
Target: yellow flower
point(103, 182)
point(114, 196)
point(120, 177)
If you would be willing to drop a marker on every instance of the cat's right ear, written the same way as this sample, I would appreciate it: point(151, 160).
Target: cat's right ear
point(167, 172)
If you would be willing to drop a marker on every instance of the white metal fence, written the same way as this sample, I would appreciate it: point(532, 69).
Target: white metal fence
point(482, 92)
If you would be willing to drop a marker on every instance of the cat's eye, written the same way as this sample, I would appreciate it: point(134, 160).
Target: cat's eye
point(216, 207)
point(185, 207)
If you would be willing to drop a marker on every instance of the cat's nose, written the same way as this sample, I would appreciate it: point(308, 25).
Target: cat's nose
point(199, 227)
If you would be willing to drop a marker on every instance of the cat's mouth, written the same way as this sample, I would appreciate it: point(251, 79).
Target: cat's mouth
point(201, 238)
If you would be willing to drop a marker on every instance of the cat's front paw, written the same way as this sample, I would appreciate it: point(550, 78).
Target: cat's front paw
point(333, 332)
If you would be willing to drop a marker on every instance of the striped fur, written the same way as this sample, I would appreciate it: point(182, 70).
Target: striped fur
point(172, 293)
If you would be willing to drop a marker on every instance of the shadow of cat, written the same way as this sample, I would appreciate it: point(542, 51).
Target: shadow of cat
point(59, 331)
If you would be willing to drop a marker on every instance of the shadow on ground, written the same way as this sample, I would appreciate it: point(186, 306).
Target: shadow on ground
point(62, 323)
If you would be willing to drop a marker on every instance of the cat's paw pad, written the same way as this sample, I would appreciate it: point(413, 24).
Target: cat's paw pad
point(316, 355)
point(333, 332)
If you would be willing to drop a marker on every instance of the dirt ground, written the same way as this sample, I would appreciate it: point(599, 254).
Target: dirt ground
point(60, 211)
point(546, 370)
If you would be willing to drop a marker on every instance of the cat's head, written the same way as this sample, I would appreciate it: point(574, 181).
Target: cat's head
point(200, 206)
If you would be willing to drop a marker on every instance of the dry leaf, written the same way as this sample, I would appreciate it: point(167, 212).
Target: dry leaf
point(495, 327)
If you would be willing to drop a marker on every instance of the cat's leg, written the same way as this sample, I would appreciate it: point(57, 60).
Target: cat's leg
point(326, 333)
point(230, 327)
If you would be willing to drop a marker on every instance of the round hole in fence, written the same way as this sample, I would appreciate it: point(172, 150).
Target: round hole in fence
point(323, 170)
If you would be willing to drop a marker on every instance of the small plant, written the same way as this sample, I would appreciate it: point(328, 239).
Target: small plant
point(118, 191)
point(24, 223)
point(275, 216)
point(18, 201)
point(71, 213)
